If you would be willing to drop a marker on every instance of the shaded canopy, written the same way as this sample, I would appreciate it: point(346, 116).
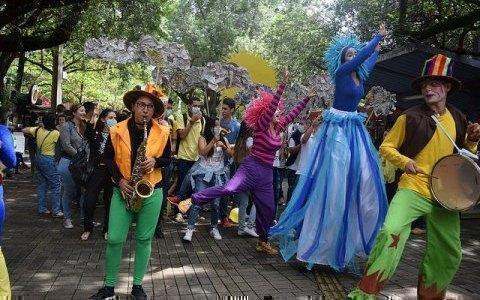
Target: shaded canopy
point(396, 69)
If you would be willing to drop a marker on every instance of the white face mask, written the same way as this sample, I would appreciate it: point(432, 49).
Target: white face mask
point(111, 122)
point(300, 128)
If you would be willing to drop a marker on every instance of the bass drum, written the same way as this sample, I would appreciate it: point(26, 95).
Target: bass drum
point(455, 182)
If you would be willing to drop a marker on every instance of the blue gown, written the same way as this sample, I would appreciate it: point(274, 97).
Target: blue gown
point(339, 203)
point(8, 158)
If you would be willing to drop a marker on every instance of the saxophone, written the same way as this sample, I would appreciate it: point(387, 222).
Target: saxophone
point(142, 188)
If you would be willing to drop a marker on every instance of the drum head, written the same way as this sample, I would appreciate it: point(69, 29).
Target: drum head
point(455, 182)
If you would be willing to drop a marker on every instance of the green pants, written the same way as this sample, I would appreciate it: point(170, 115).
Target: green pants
point(119, 223)
point(443, 250)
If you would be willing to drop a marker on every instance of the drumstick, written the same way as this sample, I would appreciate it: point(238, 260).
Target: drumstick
point(427, 174)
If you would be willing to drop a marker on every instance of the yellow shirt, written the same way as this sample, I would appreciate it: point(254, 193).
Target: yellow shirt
point(188, 147)
point(438, 147)
point(47, 143)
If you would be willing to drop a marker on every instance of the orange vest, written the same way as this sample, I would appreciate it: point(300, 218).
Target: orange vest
point(156, 142)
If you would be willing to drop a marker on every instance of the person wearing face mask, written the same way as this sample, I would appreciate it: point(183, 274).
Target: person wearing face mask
point(100, 178)
point(189, 128)
point(209, 171)
point(340, 199)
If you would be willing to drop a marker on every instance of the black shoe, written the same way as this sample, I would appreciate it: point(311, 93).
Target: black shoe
point(138, 293)
point(105, 293)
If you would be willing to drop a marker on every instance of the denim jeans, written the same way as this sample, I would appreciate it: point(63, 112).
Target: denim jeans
point(200, 184)
point(277, 183)
point(292, 179)
point(242, 212)
point(48, 178)
point(183, 167)
point(223, 209)
point(69, 187)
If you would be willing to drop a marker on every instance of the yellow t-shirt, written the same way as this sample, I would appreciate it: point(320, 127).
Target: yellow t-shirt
point(47, 143)
point(188, 147)
point(438, 147)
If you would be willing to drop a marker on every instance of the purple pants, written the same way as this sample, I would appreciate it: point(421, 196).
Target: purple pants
point(255, 176)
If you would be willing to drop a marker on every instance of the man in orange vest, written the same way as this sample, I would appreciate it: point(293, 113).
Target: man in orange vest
point(120, 155)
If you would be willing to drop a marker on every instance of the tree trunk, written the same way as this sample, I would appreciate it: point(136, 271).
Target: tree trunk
point(6, 60)
point(20, 72)
point(57, 77)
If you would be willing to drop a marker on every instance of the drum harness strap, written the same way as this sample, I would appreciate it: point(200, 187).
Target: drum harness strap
point(463, 152)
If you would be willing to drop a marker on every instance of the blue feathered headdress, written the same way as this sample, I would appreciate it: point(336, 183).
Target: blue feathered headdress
point(333, 54)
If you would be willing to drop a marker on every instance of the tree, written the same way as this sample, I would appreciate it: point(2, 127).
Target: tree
point(450, 24)
point(94, 79)
point(209, 28)
point(32, 25)
point(297, 38)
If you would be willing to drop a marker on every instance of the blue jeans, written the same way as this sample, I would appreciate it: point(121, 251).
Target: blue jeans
point(242, 212)
point(69, 187)
point(48, 178)
point(292, 179)
point(200, 185)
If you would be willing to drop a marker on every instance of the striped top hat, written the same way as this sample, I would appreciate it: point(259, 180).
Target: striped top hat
point(438, 67)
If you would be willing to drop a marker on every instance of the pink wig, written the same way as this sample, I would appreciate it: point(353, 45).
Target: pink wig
point(258, 107)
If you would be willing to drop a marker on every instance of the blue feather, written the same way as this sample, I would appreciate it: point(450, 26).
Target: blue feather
point(333, 54)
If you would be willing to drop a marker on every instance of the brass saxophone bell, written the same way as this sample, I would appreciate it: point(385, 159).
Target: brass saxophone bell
point(144, 188)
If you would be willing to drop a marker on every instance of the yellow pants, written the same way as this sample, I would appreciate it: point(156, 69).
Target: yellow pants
point(5, 292)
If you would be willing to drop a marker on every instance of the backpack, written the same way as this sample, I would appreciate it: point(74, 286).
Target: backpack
point(185, 118)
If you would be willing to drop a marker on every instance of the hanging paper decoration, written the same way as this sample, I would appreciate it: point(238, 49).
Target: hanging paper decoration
point(380, 101)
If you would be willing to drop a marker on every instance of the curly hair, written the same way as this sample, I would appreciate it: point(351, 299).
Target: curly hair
point(258, 107)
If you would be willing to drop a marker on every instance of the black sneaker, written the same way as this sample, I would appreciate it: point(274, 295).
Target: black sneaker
point(105, 293)
point(138, 293)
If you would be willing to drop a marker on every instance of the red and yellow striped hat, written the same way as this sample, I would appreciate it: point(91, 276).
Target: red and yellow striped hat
point(438, 67)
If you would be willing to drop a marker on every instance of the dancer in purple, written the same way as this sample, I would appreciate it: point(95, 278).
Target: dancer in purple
point(256, 172)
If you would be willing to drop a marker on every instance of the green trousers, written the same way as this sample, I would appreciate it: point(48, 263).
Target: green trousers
point(443, 249)
point(119, 223)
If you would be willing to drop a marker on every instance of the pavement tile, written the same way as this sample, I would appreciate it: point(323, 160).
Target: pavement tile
point(48, 261)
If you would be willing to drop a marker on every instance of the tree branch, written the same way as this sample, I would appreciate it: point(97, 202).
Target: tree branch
point(41, 65)
point(85, 70)
point(450, 24)
point(74, 61)
point(15, 9)
point(60, 35)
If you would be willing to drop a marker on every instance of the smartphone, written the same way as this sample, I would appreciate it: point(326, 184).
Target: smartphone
point(314, 114)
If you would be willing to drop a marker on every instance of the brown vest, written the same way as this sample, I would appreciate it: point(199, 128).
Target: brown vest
point(420, 127)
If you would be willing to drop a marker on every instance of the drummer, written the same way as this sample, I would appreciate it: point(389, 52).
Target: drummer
point(415, 144)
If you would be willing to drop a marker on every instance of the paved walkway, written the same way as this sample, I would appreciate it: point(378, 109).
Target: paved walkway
point(47, 261)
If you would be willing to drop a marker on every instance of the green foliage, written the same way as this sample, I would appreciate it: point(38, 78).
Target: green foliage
point(296, 39)
point(450, 24)
point(92, 79)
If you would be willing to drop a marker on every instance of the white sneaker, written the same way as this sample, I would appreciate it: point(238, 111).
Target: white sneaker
point(188, 235)
point(179, 218)
point(67, 223)
point(250, 231)
point(216, 234)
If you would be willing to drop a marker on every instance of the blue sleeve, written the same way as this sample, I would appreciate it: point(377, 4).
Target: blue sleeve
point(361, 56)
point(7, 150)
point(371, 61)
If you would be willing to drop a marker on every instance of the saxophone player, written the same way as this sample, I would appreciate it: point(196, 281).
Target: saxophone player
point(138, 145)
